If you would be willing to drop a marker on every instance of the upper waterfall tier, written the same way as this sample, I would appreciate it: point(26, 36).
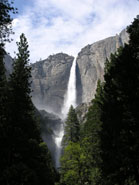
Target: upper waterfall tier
point(70, 96)
point(49, 82)
point(50, 77)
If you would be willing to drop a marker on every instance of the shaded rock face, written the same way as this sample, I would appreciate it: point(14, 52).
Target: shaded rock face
point(50, 126)
point(90, 64)
point(8, 61)
point(81, 111)
point(49, 82)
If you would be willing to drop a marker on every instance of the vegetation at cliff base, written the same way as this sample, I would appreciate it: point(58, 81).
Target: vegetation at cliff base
point(24, 158)
point(108, 150)
point(103, 150)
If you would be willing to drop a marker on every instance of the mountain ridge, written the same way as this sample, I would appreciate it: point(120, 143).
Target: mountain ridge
point(50, 76)
point(91, 61)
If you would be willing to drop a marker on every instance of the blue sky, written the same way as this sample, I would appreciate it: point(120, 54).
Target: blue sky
point(53, 26)
point(22, 5)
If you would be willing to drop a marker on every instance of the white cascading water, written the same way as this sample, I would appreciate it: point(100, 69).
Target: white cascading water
point(70, 96)
point(58, 139)
point(69, 99)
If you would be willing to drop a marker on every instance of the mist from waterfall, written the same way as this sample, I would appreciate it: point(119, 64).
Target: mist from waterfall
point(58, 139)
point(69, 99)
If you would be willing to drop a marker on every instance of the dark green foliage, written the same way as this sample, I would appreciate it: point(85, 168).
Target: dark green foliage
point(72, 165)
point(133, 31)
point(3, 82)
point(3, 113)
point(25, 159)
point(120, 141)
point(72, 127)
point(6, 8)
point(91, 141)
point(108, 151)
point(72, 159)
point(21, 103)
point(110, 138)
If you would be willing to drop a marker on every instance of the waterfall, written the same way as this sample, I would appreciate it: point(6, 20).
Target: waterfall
point(69, 99)
point(70, 96)
point(58, 139)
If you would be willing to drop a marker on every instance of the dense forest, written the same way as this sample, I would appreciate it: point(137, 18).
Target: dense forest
point(24, 157)
point(104, 150)
point(107, 148)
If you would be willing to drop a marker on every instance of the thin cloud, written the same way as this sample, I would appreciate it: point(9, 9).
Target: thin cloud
point(67, 25)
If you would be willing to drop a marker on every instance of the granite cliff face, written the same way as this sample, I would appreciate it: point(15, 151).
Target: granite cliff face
point(8, 64)
point(50, 127)
point(50, 77)
point(90, 64)
point(81, 111)
point(49, 82)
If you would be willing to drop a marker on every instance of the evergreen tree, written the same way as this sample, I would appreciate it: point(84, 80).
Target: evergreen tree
point(3, 83)
point(28, 160)
point(120, 130)
point(72, 127)
point(72, 165)
point(3, 114)
point(91, 141)
point(6, 9)
point(71, 160)
point(5, 29)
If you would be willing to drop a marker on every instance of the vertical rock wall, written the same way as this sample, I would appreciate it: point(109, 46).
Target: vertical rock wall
point(49, 82)
point(90, 64)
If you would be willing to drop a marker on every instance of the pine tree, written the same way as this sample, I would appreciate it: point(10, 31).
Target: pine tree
point(3, 114)
point(5, 29)
point(71, 160)
point(6, 9)
point(72, 127)
point(72, 165)
point(3, 82)
point(91, 141)
point(28, 159)
point(120, 130)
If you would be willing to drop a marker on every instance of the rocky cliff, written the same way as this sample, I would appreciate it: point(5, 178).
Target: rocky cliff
point(8, 64)
point(81, 111)
point(49, 81)
point(50, 77)
point(90, 64)
point(50, 127)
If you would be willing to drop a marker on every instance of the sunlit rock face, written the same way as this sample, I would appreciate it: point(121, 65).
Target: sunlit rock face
point(81, 111)
point(49, 81)
point(90, 64)
point(50, 77)
point(58, 82)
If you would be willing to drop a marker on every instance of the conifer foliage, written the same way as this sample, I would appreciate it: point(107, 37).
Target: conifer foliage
point(29, 159)
point(6, 8)
point(24, 158)
point(71, 160)
point(72, 127)
point(108, 151)
point(112, 126)
point(4, 117)
point(120, 129)
point(91, 141)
